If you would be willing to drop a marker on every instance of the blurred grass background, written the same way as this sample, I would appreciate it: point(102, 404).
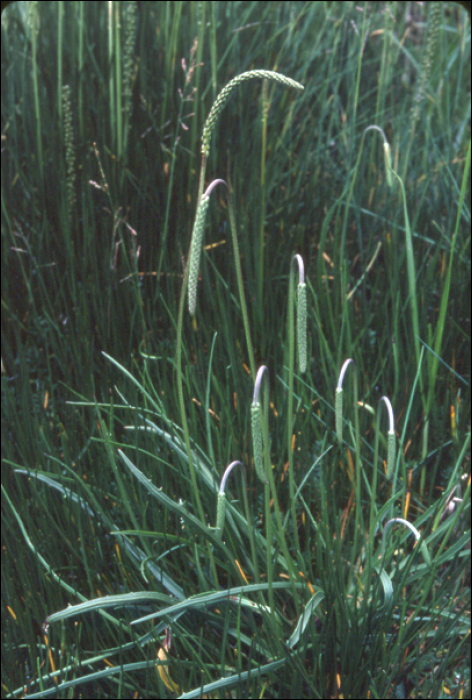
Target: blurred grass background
point(103, 106)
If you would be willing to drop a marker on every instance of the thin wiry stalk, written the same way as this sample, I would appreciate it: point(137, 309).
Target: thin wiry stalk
point(391, 446)
point(260, 431)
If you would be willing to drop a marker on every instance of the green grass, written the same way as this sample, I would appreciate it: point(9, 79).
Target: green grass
point(338, 565)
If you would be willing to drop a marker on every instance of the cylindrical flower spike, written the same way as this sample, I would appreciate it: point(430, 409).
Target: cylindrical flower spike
point(301, 327)
point(220, 513)
point(195, 252)
point(301, 312)
point(224, 94)
point(256, 424)
point(196, 246)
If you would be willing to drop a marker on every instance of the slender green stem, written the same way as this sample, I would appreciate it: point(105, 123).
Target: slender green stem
point(390, 456)
point(239, 277)
point(357, 447)
point(183, 414)
point(267, 477)
point(119, 83)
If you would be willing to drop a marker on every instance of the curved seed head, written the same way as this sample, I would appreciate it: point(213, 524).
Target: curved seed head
point(225, 93)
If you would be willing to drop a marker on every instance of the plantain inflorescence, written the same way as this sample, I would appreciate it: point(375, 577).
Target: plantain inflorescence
point(225, 93)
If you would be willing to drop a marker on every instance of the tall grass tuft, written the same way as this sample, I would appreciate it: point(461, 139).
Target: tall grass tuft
point(337, 563)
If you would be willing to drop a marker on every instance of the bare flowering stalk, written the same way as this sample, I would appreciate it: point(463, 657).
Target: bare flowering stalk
point(196, 245)
point(225, 93)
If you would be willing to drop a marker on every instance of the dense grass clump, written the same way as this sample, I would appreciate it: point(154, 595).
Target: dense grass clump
point(236, 418)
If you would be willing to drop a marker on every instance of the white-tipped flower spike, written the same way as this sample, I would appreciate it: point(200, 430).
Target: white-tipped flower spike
point(424, 547)
point(225, 93)
point(387, 159)
point(301, 315)
point(391, 437)
point(338, 402)
point(196, 246)
point(338, 413)
point(256, 424)
point(221, 507)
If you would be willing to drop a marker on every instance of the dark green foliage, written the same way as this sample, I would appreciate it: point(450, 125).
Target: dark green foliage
point(103, 110)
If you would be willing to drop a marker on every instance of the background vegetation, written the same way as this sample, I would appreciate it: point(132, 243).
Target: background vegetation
point(103, 107)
